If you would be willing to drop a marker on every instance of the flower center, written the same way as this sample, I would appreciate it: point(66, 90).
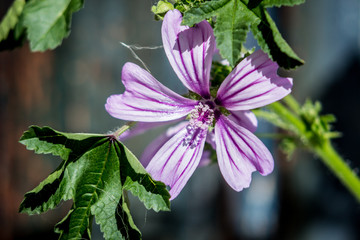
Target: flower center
point(201, 117)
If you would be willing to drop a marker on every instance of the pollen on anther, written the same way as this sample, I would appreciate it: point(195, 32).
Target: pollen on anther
point(201, 116)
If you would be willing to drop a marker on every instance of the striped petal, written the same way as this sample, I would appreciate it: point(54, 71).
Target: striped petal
point(145, 99)
point(190, 51)
point(253, 83)
point(240, 153)
point(246, 119)
point(176, 160)
point(158, 142)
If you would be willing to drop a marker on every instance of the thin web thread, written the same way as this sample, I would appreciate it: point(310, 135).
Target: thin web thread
point(135, 47)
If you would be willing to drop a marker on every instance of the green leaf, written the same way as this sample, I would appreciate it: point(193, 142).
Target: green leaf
point(233, 18)
point(48, 22)
point(204, 11)
point(161, 8)
point(11, 18)
point(231, 30)
point(271, 42)
point(232, 24)
point(279, 3)
point(95, 171)
point(135, 179)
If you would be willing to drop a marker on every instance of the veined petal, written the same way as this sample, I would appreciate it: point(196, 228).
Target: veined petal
point(145, 99)
point(240, 153)
point(177, 159)
point(253, 83)
point(246, 119)
point(158, 142)
point(190, 51)
point(210, 139)
point(205, 158)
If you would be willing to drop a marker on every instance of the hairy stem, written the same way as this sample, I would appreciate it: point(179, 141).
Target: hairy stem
point(123, 128)
point(314, 133)
point(339, 167)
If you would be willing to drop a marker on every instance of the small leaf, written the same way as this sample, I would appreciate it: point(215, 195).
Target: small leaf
point(95, 171)
point(161, 8)
point(48, 22)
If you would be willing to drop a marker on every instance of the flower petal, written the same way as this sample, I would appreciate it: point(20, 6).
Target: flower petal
point(240, 153)
point(253, 83)
point(176, 161)
point(210, 139)
point(190, 51)
point(205, 158)
point(246, 119)
point(146, 99)
point(158, 142)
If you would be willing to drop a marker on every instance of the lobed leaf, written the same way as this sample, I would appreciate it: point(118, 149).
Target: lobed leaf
point(97, 190)
point(95, 171)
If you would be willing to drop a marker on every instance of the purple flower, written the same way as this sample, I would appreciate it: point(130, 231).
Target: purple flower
point(224, 121)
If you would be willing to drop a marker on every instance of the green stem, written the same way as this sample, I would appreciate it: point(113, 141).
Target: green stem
point(291, 102)
point(290, 118)
point(285, 114)
point(338, 166)
point(123, 128)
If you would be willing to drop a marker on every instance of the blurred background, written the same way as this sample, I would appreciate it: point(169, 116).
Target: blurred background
point(67, 89)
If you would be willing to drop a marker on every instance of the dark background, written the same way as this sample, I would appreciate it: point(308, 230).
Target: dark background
point(67, 89)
